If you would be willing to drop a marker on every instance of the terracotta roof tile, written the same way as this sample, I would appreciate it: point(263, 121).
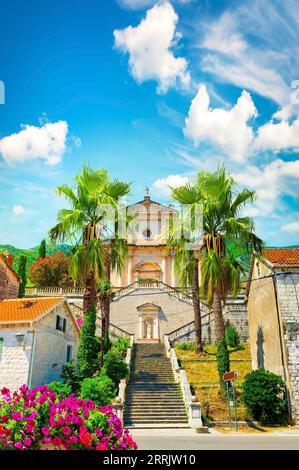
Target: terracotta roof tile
point(282, 256)
point(26, 309)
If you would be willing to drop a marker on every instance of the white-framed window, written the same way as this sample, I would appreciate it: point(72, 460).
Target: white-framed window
point(69, 353)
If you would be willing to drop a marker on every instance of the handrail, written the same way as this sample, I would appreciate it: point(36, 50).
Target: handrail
point(188, 327)
point(193, 407)
point(120, 400)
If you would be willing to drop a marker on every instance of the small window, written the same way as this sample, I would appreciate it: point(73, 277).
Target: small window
point(60, 323)
point(1, 348)
point(147, 233)
point(69, 353)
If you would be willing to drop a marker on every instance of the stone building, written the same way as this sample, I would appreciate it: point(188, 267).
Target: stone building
point(37, 337)
point(273, 317)
point(9, 281)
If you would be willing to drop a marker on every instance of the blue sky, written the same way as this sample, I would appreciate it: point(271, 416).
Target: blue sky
point(152, 91)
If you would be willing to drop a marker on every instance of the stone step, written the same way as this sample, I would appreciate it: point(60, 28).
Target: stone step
point(156, 414)
point(154, 421)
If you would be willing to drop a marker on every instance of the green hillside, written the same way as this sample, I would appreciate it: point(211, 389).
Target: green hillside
point(32, 253)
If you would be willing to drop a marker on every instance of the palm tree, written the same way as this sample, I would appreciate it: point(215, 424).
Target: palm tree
point(186, 265)
point(222, 207)
point(85, 223)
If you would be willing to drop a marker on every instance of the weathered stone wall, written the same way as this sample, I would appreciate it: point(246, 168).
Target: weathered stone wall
point(46, 345)
point(15, 360)
point(288, 294)
point(51, 345)
point(9, 284)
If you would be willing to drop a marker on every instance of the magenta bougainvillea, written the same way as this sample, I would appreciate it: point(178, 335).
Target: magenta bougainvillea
point(31, 419)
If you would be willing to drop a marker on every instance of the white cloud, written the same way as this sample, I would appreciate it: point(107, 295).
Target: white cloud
point(228, 129)
point(278, 136)
point(254, 50)
point(271, 182)
point(18, 210)
point(47, 142)
point(162, 186)
point(292, 227)
point(149, 47)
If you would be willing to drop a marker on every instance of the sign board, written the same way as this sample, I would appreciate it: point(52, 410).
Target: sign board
point(230, 375)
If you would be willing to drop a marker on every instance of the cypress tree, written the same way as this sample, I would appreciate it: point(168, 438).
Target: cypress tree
point(223, 363)
point(22, 275)
point(89, 346)
point(42, 251)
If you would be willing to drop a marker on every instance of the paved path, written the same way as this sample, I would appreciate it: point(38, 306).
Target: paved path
point(187, 439)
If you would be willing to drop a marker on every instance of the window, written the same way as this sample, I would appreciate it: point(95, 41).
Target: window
point(69, 353)
point(1, 348)
point(60, 323)
point(147, 233)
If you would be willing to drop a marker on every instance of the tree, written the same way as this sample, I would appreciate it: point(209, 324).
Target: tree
point(223, 363)
point(42, 251)
point(88, 225)
point(222, 206)
point(51, 271)
point(22, 275)
point(89, 346)
point(186, 264)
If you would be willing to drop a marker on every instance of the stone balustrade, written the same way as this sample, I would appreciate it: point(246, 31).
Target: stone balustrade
point(118, 406)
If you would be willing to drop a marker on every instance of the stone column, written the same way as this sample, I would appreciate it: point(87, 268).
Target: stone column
point(140, 327)
point(163, 266)
point(156, 327)
point(130, 277)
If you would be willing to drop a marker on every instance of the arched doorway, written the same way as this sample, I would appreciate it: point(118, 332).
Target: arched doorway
point(147, 270)
point(149, 322)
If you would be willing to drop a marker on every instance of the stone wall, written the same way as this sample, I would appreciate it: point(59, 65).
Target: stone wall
point(9, 283)
point(288, 294)
point(51, 345)
point(47, 347)
point(15, 360)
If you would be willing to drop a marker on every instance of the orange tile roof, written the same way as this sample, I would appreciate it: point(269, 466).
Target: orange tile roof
point(282, 256)
point(26, 309)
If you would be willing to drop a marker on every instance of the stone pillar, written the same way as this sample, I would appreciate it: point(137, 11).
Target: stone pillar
point(173, 277)
point(130, 277)
point(156, 327)
point(163, 266)
point(140, 327)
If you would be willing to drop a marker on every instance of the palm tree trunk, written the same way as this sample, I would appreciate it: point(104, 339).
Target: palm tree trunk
point(107, 301)
point(196, 309)
point(90, 294)
point(103, 327)
point(218, 317)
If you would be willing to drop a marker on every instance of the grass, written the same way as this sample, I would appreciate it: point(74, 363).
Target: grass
point(202, 374)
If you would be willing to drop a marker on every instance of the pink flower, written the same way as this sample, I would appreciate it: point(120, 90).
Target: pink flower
point(73, 439)
point(18, 445)
point(4, 419)
point(45, 430)
point(60, 421)
point(101, 447)
point(79, 321)
point(5, 391)
point(99, 433)
point(66, 430)
point(27, 442)
point(57, 441)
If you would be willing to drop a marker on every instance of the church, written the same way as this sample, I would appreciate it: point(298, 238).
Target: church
point(149, 302)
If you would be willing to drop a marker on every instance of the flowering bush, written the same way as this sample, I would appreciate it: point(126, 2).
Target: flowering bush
point(29, 418)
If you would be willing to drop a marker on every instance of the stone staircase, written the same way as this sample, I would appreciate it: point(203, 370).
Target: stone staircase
point(153, 398)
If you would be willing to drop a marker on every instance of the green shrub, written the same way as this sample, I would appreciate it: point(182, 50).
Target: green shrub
point(263, 394)
point(223, 363)
point(89, 346)
point(100, 389)
point(232, 336)
point(60, 389)
point(114, 367)
point(187, 346)
point(120, 346)
point(71, 377)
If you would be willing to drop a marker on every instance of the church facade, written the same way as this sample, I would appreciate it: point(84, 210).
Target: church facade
point(148, 257)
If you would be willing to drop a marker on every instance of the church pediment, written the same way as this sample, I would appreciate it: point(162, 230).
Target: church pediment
point(149, 307)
